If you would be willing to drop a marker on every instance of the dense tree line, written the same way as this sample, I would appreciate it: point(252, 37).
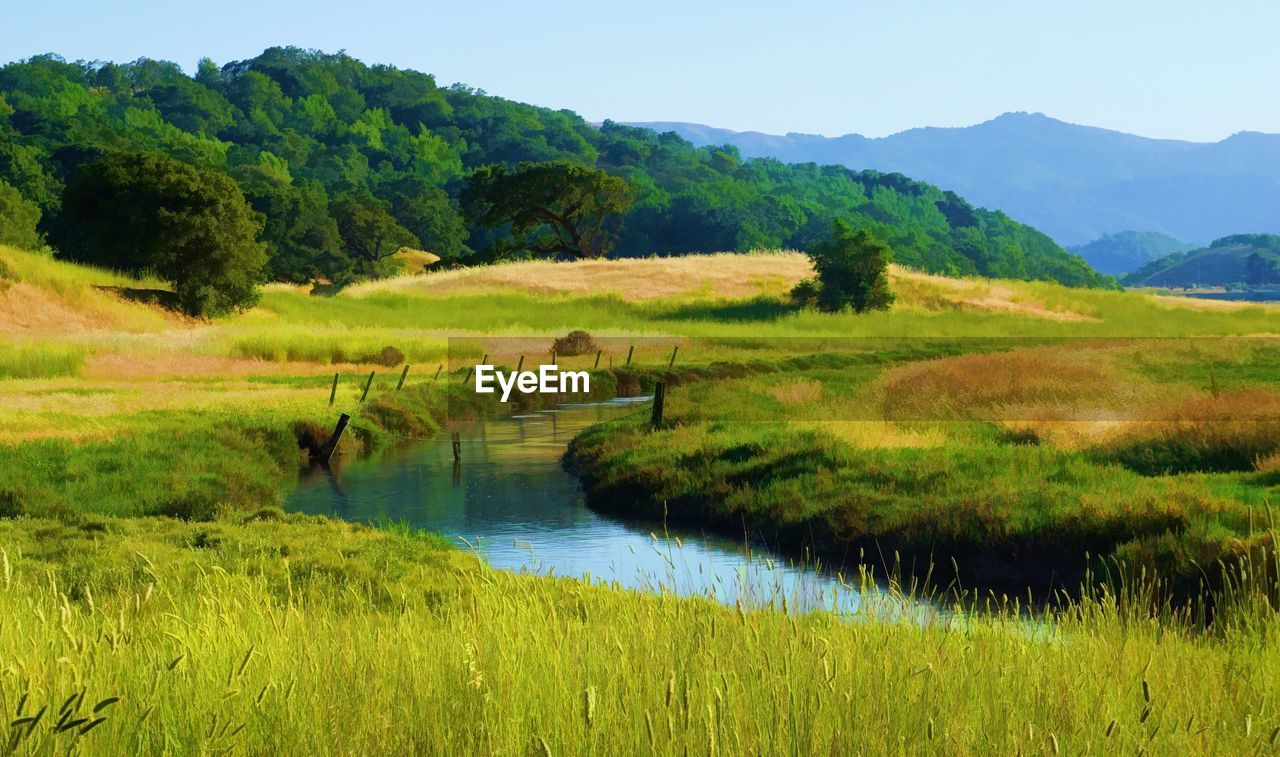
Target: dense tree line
point(345, 162)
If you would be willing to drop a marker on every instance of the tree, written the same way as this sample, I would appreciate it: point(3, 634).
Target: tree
point(556, 207)
point(427, 213)
point(141, 212)
point(18, 219)
point(368, 230)
point(302, 238)
point(1261, 270)
point(852, 272)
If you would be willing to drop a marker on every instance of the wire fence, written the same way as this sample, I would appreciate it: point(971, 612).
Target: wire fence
point(436, 436)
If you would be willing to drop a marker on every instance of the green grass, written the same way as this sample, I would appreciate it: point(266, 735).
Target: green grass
point(518, 313)
point(234, 627)
point(27, 360)
point(858, 472)
point(292, 634)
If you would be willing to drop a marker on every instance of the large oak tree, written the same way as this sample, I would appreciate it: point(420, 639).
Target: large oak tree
point(553, 208)
point(141, 212)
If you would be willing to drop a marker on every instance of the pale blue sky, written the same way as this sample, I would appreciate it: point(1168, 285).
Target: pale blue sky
point(1192, 70)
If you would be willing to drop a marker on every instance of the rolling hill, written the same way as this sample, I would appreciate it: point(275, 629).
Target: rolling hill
point(1251, 260)
point(1073, 182)
point(1127, 251)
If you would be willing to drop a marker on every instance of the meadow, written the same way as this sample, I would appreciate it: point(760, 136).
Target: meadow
point(155, 599)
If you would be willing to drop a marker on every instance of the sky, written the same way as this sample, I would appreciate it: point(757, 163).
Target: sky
point(1159, 68)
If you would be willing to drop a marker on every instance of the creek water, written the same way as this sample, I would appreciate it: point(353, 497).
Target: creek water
point(511, 501)
point(1262, 295)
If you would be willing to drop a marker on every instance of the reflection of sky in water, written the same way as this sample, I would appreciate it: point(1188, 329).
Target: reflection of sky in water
point(514, 504)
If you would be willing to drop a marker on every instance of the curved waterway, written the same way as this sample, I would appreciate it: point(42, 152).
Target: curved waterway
point(511, 501)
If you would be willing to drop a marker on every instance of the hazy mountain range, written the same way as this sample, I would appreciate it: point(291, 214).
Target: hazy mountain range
point(1076, 183)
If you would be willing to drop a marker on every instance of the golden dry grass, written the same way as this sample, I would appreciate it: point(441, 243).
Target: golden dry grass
point(723, 275)
point(714, 276)
point(1058, 379)
point(797, 392)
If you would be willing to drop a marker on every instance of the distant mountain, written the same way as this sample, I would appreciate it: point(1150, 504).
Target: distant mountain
point(1252, 260)
point(1127, 251)
point(1075, 183)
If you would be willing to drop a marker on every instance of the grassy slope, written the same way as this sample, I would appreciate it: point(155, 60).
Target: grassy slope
point(263, 632)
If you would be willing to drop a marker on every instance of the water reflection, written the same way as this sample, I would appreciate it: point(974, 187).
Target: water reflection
point(510, 500)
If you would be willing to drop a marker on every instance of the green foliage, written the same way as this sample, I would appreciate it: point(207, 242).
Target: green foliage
point(853, 273)
point(146, 212)
point(1237, 260)
point(18, 219)
point(368, 230)
point(330, 126)
point(552, 208)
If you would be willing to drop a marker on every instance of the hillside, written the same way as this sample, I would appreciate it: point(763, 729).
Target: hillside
point(335, 153)
point(1073, 182)
point(1251, 260)
point(1127, 251)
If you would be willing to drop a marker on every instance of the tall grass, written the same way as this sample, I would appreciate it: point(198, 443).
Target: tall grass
point(27, 360)
point(303, 636)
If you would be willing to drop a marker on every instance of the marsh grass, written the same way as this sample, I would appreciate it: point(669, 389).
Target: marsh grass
point(282, 633)
point(235, 627)
point(38, 360)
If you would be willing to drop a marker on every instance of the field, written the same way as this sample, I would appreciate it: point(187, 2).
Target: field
point(149, 573)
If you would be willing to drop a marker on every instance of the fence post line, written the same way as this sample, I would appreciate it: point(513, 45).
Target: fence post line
point(468, 376)
point(403, 375)
point(484, 360)
point(367, 384)
point(597, 365)
point(457, 447)
point(659, 395)
point(553, 356)
point(520, 364)
point(630, 350)
point(674, 350)
point(441, 368)
point(334, 391)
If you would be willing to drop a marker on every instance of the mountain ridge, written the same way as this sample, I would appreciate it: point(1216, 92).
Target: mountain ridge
point(1075, 182)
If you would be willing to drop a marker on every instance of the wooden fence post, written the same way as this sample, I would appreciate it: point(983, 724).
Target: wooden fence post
point(630, 350)
point(403, 375)
point(327, 449)
point(334, 391)
point(659, 396)
point(467, 378)
point(441, 368)
point(457, 447)
point(553, 357)
point(367, 384)
point(520, 364)
point(672, 364)
point(597, 365)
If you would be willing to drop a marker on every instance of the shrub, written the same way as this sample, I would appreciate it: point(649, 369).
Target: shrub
point(853, 273)
point(576, 343)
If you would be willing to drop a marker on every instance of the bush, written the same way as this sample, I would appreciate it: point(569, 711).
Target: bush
point(576, 343)
point(853, 273)
point(141, 212)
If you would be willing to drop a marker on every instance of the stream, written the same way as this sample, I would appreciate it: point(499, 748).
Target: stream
point(511, 501)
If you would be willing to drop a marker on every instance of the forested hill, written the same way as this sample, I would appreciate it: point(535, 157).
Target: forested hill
point(334, 152)
point(1073, 182)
